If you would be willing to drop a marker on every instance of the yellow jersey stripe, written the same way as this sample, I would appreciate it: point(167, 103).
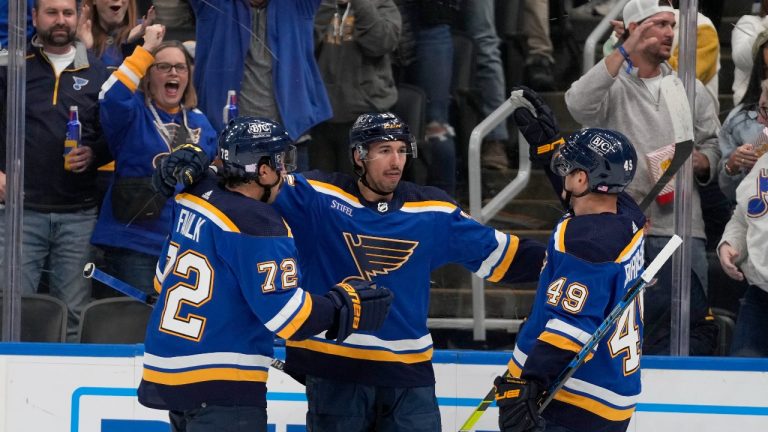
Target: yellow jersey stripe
point(593, 406)
point(126, 80)
point(514, 370)
point(201, 375)
point(208, 210)
point(140, 61)
point(157, 284)
point(627, 252)
point(560, 243)
point(361, 353)
point(562, 342)
point(298, 320)
point(431, 203)
point(334, 190)
point(502, 268)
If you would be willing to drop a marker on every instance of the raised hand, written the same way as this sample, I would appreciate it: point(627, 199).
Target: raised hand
point(539, 127)
point(153, 36)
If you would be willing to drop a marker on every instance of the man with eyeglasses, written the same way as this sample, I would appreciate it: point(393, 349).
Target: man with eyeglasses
point(59, 204)
point(623, 92)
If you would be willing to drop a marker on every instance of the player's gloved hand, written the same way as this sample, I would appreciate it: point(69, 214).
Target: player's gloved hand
point(186, 164)
point(517, 400)
point(361, 306)
point(539, 128)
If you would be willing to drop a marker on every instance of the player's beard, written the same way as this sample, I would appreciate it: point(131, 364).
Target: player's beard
point(47, 37)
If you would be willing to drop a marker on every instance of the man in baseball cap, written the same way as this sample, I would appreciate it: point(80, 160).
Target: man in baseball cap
point(638, 10)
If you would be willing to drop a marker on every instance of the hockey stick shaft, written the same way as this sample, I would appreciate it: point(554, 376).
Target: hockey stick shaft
point(645, 278)
point(610, 320)
point(91, 272)
point(682, 151)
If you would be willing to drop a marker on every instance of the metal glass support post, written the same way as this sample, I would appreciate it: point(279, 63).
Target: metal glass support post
point(681, 261)
point(14, 169)
point(484, 214)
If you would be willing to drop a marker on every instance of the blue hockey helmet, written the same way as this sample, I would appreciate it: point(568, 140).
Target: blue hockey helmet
point(247, 141)
point(377, 127)
point(607, 156)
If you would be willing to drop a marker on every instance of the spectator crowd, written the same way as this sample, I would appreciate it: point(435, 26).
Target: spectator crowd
point(314, 66)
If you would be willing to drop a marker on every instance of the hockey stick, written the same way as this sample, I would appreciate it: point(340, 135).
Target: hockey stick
point(91, 272)
point(605, 326)
point(648, 274)
point(673, 93)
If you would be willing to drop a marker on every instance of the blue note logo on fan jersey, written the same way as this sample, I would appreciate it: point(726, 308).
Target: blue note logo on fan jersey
point(757, 206)
point(79, 83)
point(378, 255)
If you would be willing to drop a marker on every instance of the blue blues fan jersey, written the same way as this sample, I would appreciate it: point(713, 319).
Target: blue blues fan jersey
point(397, 244)
point(229, 281)
point(591, 262)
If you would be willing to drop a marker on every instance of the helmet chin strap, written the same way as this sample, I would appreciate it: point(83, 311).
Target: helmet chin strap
point(569, 194)
point(268, 188)
point(364, 180)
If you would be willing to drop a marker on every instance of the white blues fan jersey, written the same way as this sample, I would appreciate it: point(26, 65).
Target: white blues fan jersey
point(397, 243)
point(591, 262)
point(228, 281)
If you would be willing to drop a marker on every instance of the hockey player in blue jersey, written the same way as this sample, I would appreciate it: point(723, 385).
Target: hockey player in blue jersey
point(375, 227)
point(594, 255)
point(231, 281)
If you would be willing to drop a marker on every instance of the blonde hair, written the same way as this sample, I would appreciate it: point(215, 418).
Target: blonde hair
point(189, 98)
point(100, 36)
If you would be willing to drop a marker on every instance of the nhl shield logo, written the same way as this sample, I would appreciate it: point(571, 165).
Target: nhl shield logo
point(79, 83)
point(382, 207)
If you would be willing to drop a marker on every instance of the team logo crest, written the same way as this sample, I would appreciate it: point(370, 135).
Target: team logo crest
point(382, 207)
point(79, 83)
point(378, 255)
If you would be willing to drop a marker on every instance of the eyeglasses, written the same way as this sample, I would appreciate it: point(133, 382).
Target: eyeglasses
point(166, 67)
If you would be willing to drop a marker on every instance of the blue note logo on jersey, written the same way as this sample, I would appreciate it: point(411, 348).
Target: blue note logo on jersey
point(757, 206)
point(79, 83)
point(378, 255)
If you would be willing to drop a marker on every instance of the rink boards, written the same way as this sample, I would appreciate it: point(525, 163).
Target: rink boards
point(92, 388)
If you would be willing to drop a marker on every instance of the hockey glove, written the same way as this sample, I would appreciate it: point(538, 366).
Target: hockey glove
point(185, 165)
point(517, 400)
point(539, 129)
point(360, 307)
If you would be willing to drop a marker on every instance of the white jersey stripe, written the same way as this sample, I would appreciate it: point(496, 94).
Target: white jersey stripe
point(287, 312)
point(563, 327)
point(207, 359)
point(493, 259)
point(365, 341)
point(601, 393)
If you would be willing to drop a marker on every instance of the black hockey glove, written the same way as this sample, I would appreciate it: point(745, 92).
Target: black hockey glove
point(186, 164)
point(539, 129)
point(517, 400)
point(361, 306)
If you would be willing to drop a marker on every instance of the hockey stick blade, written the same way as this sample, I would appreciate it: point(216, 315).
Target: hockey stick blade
point(674, 96)
point(645, 278)
point(91, 272)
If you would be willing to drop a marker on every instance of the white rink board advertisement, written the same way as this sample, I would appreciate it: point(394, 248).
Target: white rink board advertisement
point(92, 388)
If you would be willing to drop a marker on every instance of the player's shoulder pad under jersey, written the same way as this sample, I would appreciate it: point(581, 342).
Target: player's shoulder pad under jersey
point(343, 181)
point(251, 216)
point(599, 238)
point(412, 192)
